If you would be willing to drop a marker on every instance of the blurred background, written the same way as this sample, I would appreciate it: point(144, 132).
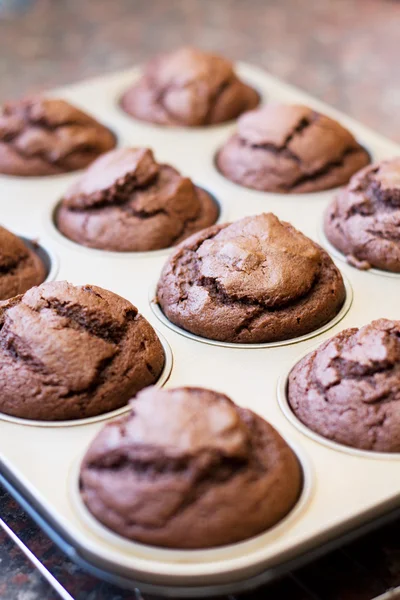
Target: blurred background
point(345, 52)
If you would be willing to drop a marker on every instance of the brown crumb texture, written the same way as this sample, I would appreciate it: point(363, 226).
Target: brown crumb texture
point(188, 88)
point(20, 267)
point(189, 469)
point(363, 221)
point(126, 201)
point(348, 390)
point(69, 352)
point(46, 136)
point(256, 280)
point(290, 149)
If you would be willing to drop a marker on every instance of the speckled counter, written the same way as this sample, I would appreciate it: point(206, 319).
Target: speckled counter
point(342, 51)
point(358, 571)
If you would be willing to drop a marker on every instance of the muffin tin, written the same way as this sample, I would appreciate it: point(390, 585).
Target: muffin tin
point(156, 308)
point(293, 418)
point(342, 490)
point(46, 255)
point(51, 226)
point(335, 253)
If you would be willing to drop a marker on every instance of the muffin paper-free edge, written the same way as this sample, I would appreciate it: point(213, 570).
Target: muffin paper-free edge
point(155, 307)
point(137, 73)
point(330, 248)
point(316, 194)
point(46, 255)
point(51, 226)
point(165, 374)
point(175, 558)
point(30, 180)
point(283, 401)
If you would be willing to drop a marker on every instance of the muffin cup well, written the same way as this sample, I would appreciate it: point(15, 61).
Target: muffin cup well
point(317, 194)
point(155, 307)
point(330, 248)
point(174, 129)
point(305, 430)
point(174, 557)
point(166, 372)
point(31, 179)
point(56, 233)
point(46, 255)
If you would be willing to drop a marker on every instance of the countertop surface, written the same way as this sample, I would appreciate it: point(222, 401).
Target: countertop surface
point(361, 570)
point(342, 51)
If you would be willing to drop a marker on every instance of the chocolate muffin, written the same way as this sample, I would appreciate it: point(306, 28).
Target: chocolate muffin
point(290, 149)
point(45, 136)
point(188, 88)
point(127, 202)
point(348, 390)
point(189, 469)
point(68, 352)
point(256, 280)
point(20, 267)
point(363, 221)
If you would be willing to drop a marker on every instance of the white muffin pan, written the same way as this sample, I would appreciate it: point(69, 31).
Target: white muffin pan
point(342, 490)
point(53, 230)
point(336, 253)
point(165, 373)
point(292, 417)
point(239, 550)
point(341, 314)
point(45, 253)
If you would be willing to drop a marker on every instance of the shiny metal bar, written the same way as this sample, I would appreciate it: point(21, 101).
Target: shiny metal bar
point(61, 591)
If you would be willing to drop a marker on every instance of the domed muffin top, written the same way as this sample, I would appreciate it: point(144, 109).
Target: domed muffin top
point(126, 201)
point(20, 267)
point(189, 87)
point(348, 390)
point(171, 473)
point(290, 149)
point(256, 280)
point(363, 221)
point(69, 352)
point(46, 136)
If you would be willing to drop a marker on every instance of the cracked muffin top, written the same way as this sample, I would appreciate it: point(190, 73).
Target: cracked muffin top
point(348, 390)
point(20, 267)
point(47, 136)
point(126, 201)
point(171, 473)
point(290, 149)
point(68, 352)
point(363, 221)
point(189, 88)
point(256, 280)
